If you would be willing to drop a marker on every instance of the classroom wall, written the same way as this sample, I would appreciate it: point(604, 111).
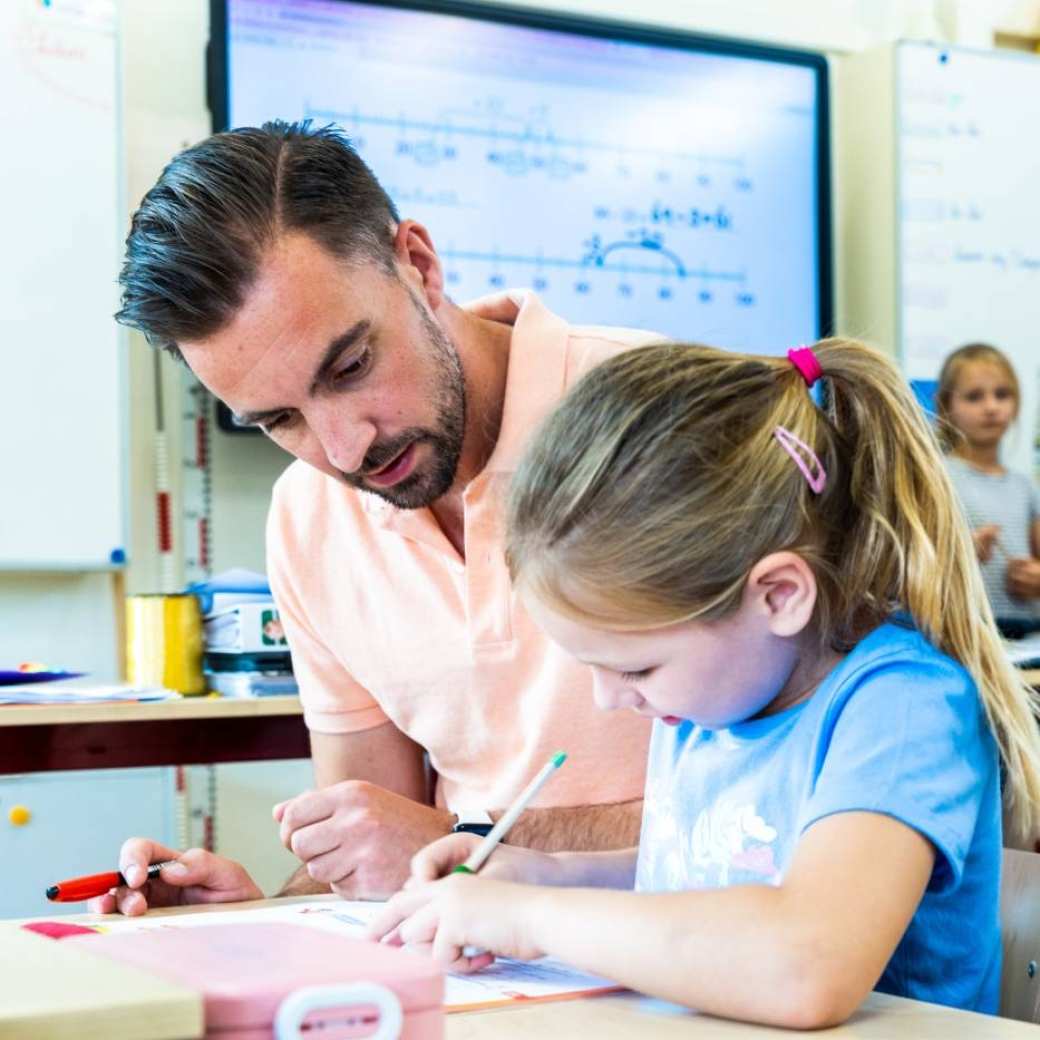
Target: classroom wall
point(164, 114)
point(826, 25)
point(68, 620)
point(37, 610)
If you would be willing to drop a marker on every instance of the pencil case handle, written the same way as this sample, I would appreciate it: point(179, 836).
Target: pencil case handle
point(301, 1002)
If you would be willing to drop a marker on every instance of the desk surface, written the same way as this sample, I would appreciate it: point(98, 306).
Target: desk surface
point(625, 1016)
point(628, 1016)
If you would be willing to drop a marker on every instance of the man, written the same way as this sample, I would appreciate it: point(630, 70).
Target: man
point(273, 263)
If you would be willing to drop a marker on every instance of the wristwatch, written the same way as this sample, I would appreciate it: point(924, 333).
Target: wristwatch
point(472, 821)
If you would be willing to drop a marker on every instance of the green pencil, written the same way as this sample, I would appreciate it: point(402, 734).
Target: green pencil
point(508, 818)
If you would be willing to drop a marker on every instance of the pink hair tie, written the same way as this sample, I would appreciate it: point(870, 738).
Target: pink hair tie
point(804, 458)
point(807, 364)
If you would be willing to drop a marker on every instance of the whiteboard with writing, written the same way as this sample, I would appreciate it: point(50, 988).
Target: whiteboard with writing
point(969, 215)
point(62, 416)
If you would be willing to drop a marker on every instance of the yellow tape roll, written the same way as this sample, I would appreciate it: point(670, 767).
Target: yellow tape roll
point(164, 642)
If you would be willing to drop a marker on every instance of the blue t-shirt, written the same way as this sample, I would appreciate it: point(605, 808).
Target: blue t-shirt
point(896, 728)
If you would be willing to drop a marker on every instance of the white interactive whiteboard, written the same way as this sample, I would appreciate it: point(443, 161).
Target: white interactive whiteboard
point(62, 419)
point(968, 190)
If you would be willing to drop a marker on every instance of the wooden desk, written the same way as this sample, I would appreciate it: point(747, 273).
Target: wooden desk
point(193, 730)
point(630, 1016)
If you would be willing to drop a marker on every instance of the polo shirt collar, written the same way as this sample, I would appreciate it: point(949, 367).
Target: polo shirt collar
point(535, 379)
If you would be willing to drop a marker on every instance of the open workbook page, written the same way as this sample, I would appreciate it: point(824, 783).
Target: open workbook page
point(503, 982)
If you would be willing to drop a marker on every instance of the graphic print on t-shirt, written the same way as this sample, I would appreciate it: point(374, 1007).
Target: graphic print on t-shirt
point(732, 844)
point(727, 841)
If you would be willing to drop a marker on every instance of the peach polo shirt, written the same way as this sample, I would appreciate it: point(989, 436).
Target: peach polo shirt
point(386, 621)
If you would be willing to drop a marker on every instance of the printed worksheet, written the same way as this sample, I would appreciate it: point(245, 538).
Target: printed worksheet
point(503, 982)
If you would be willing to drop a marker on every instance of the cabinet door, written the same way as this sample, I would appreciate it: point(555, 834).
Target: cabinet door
point(243, 828)
point(60, 825)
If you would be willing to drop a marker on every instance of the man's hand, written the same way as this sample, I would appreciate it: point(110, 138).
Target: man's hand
point(358, 837)
point(195, 876)
point(1023, 577)
point(985, 538)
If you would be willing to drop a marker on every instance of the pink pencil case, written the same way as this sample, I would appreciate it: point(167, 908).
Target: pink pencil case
point(287, 981)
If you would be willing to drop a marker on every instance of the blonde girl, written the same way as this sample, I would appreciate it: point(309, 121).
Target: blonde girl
point(791, 592)
point(978, 399)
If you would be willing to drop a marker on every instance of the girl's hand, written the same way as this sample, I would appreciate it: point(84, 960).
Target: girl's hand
point(444, 918)
point(506, 863)
point(1023, 577)
point(985, 538)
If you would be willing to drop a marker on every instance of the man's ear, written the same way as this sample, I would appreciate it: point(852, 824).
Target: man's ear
point(782, 587)
point(418, 261)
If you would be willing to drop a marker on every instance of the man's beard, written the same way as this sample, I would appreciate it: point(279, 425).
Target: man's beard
point(425, 485)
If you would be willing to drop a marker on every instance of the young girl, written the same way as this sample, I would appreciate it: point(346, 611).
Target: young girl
point(792, 594)
point(978, 399)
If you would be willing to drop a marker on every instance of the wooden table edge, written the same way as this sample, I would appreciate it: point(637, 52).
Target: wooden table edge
point(148, 711)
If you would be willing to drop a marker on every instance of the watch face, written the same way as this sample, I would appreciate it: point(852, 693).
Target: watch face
point(472, 828)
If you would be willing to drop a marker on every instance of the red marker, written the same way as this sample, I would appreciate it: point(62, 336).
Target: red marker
point(77, 889)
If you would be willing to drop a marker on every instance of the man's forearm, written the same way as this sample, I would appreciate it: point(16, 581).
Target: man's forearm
point(302, 884)
point(579, 828)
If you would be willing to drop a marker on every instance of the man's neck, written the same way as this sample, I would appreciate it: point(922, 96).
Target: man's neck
point(483, 348)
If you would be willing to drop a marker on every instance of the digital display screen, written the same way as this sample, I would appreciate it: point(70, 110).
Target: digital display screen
point(636, 178)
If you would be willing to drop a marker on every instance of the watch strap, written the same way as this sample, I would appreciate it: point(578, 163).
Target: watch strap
point(483, 829)
point(472, 821)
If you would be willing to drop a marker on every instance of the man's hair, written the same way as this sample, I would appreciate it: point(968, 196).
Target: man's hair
point(198, 237)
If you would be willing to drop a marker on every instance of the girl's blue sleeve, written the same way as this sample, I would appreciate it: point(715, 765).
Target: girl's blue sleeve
point(910, 740)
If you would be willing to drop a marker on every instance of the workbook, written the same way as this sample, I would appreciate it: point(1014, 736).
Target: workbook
point(504, 982)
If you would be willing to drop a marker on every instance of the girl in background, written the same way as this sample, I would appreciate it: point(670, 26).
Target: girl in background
point(792, 594)
point(978, 399)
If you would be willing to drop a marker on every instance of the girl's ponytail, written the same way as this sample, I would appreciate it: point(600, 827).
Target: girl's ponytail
point(910, 548)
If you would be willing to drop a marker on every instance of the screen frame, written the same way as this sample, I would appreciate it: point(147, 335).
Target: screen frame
point(218, 93)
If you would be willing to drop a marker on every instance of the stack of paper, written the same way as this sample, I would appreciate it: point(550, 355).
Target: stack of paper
point(246, 652)
point(67, 693)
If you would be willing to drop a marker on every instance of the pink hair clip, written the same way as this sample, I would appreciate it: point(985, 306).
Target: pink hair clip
point(803, 455)
point(807, 364)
